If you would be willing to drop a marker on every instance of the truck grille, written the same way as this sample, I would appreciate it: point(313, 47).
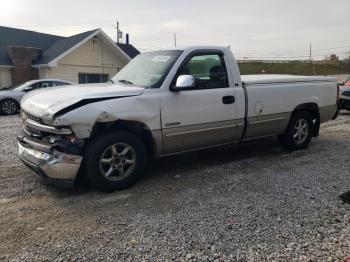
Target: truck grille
point(32, 131)
point(28, 129)
point(26, 115)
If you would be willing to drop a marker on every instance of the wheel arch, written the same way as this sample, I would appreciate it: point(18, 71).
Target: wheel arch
point(10, 98)
point(137, 128)
point(313, 109)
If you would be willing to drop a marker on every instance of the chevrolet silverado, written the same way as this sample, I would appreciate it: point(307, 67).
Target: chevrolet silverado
point(164, 103)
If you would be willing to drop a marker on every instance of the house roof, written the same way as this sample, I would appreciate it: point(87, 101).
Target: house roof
point(52, 46)
point(61, 46)
point(130, 50)
point(18, 37)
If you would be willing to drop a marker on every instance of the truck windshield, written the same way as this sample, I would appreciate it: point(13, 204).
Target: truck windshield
point(148, 69)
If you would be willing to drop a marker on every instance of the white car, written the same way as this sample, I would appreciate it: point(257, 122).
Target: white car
point(10, 99)
point(164, 103)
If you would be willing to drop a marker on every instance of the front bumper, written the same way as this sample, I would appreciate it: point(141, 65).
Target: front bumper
point(344, 102)
point(55, 167)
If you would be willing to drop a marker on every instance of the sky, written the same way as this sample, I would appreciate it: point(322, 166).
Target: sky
point(257, 29)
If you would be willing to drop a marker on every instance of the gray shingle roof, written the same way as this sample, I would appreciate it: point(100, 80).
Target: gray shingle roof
point(61, 46)
point(51, 45)
point(18, 37)
point(130, 50)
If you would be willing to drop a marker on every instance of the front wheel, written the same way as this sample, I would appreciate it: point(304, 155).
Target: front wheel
point(115, 161)
point(299, 132)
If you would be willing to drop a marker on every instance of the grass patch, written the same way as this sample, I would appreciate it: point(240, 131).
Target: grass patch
point(294, 68)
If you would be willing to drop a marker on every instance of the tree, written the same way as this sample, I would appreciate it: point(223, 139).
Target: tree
point(333, 58)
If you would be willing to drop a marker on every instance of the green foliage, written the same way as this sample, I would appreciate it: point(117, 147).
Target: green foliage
point(294, 68)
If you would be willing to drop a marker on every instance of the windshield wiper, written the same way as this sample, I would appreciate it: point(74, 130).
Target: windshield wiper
point(125, 82)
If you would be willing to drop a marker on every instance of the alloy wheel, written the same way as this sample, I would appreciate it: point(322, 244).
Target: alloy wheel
point(9, 107)
point(300, 131)
point(117, 161)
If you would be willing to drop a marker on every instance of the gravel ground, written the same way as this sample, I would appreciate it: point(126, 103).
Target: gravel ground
point(254, 202)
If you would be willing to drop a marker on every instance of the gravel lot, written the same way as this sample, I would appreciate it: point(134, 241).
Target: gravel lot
point(255, 202)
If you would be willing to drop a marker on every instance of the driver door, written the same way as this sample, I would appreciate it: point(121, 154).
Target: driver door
point(205, 115)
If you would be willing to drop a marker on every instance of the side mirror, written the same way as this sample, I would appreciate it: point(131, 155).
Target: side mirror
point(184, 82)
point(28, 88)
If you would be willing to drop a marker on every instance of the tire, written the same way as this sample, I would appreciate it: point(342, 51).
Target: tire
point(114, 161)
point(9, 106)
point(299, 132)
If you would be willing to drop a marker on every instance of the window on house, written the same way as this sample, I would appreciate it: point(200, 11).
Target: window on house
point(93, 78)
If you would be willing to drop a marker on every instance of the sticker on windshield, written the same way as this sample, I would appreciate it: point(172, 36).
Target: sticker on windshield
point(161, 58)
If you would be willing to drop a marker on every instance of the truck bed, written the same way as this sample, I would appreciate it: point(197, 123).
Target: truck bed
point(278, 79)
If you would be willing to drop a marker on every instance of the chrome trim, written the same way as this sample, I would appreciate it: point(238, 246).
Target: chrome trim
point(55, 165)
point(48, 129)
point(267, 120)
point(184, 81)
point(200, 130)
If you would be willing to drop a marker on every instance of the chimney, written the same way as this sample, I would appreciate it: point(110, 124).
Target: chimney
point(127, 39)
point(22, 59)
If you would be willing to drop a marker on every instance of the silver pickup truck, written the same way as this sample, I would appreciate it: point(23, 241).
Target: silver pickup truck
point(164, 103)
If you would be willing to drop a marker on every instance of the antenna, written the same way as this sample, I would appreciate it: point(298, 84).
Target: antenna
point(175, 39)
point(119, 33)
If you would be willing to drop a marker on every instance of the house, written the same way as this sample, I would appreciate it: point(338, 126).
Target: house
point(88, 57)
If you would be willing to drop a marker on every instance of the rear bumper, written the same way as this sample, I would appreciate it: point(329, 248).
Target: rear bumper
point(55, 167)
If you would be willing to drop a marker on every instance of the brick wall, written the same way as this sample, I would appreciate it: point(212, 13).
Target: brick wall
point(22, 58)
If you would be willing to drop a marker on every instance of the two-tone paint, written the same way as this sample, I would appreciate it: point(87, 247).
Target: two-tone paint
point(191, 119)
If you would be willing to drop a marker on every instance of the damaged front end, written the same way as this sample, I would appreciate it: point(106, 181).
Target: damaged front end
point(55, 153)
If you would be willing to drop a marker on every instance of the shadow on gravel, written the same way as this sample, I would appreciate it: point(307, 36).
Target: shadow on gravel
point(215, 157)
point(165, 168)
point(160, 173)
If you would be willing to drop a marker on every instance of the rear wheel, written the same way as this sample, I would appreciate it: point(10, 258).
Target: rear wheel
point(299, 131)
point(9, 106)
point(115, 161)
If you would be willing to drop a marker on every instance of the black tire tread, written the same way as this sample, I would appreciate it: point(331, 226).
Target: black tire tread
point(287, 141)
point(98, 145)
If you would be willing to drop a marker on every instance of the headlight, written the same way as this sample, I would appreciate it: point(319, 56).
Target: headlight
point(48, 122)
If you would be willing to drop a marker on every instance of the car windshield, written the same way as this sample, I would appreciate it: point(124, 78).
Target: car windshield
point(22, 86)
point(148, 69)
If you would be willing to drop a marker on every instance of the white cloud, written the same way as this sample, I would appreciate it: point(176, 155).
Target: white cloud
point(249, 27)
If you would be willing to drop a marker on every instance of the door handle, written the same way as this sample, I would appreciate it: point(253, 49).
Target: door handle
point(228, 99)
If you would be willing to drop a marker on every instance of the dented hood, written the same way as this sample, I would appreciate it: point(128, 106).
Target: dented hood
point(46, 103)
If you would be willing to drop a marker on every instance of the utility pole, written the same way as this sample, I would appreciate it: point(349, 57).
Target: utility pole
point(175, 39)
point(117, 32)
point(310, 52)
point(310, 59)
